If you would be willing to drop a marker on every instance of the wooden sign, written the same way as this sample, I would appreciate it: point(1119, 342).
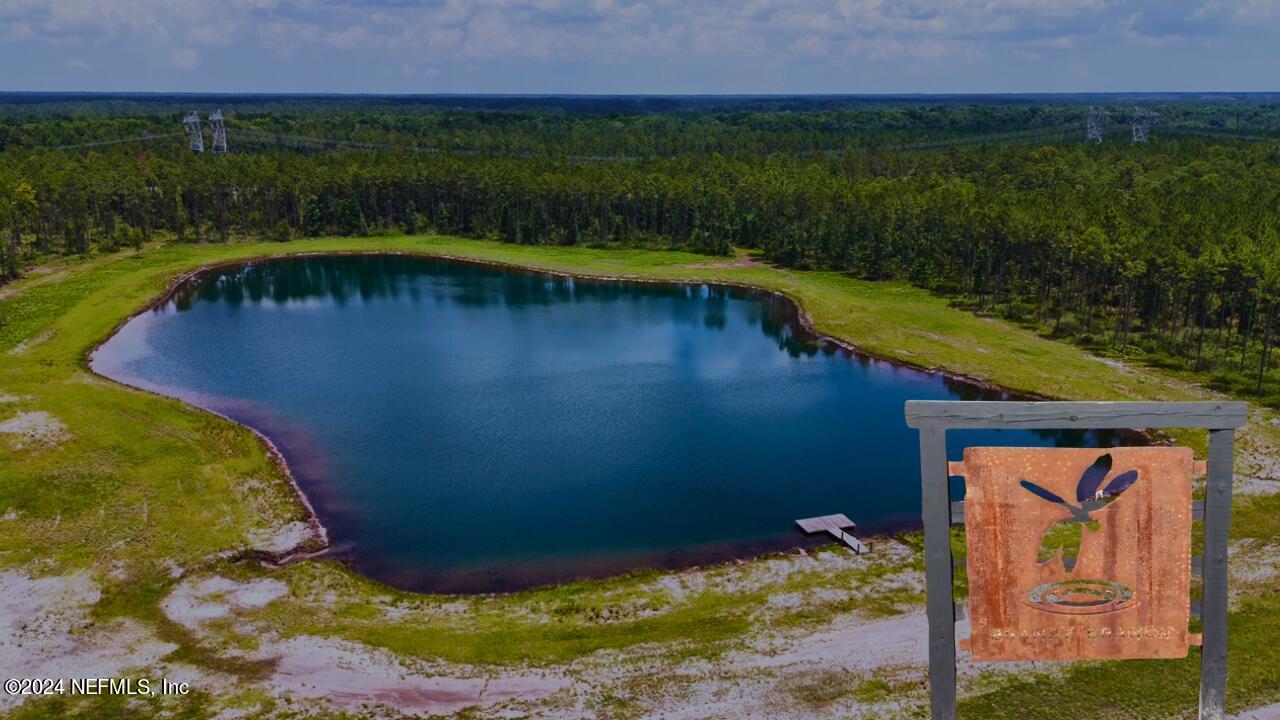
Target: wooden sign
point(1078, 553)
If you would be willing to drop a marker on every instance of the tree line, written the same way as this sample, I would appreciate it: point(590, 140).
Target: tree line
point(732, 129)
point(1168, 252)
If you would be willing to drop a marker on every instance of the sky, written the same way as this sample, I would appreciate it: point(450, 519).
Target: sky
point(640, 46)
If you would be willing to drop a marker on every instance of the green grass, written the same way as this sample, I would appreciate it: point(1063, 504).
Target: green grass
point(1148, 688)
point(142, 482)
point(114, 707)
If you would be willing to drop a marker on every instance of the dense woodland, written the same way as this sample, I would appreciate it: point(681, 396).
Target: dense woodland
point(1167, 251)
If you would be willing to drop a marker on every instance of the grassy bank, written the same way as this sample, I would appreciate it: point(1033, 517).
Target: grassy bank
point(143, 491)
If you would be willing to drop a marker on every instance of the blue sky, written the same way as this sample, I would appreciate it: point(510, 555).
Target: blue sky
point(639, 46)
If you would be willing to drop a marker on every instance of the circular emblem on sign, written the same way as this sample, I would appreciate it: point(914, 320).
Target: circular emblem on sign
point(1080, 597)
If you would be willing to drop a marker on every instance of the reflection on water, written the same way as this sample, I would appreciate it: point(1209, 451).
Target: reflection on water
point(367, 278)
point(464, 427)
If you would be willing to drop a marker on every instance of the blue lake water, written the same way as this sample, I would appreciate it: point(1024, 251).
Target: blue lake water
point(468, 428)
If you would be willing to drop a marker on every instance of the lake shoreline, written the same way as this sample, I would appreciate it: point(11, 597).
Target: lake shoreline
point(321, 545)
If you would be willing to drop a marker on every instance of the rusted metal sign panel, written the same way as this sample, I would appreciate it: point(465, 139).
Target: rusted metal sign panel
point(1078, 553)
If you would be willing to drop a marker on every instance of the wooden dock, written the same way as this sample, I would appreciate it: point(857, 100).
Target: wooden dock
point(834, 525)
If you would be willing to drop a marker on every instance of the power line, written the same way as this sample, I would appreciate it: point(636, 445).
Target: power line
point(1216, 134)
point(989, 138)
point(1096, 124)
point(1142, 122)
point(330, 142)
point(219, 132)
point(144, 137)
point(195, 132)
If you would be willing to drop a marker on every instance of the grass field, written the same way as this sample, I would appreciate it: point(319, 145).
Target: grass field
point(146, 496)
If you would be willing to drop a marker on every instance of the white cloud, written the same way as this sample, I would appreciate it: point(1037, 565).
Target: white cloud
point(456, 36)
point(286, 38)
point(810, 45)
point(210, 34)
point(354, 38)
point(1129, 29)
point(1241, 12)
point(15, 30)
point(892, 48)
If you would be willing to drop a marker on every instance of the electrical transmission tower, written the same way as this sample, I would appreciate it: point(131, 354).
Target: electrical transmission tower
point(1096, 124)
point(1142, 122)
point(219, 132)
point(195, 133)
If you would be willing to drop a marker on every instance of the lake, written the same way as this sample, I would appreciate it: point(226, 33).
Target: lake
point(466, 428)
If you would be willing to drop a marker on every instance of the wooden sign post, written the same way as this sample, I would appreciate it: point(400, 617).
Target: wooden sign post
point(1076, 553)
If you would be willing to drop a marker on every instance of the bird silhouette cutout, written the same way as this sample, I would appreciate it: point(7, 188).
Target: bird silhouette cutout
point(1067, 533)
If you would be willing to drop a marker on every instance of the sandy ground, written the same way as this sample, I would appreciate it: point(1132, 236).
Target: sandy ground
point(857, 647)
point(46, 632)
point(347, 675)
point(1257, 459)
point(773, 682)
point(282, 540)
point(351, 676)
point(33, 428)
point(1270, 712)
point(191, 603)
point(1254, 567)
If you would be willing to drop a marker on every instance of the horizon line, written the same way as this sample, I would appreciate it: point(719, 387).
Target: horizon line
point(548, 94)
